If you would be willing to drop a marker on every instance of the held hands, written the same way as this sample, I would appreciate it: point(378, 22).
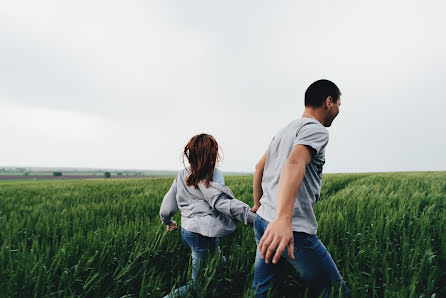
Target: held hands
point(278, 235)
point(172, 227)
point(255, 208)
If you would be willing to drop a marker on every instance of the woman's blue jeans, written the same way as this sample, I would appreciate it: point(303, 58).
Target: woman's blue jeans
point(311, 260)
point(203, 248)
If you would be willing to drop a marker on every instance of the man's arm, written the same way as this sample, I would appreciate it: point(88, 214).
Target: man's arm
point(257, 183)
point(279, 234)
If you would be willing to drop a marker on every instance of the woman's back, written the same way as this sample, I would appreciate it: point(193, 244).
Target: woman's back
point(208, 208)
point(197, 206)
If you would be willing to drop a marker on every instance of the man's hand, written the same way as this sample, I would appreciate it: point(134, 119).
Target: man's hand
point(278, 235)
point(255, 208)
point(172, 227)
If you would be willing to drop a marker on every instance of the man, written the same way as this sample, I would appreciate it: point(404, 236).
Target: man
point(287, 184)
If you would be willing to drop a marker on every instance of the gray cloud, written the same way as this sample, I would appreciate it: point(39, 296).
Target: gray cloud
point(146, 76)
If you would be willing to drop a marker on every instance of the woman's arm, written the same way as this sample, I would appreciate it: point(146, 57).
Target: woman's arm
point(169, 205)
point(234, 208)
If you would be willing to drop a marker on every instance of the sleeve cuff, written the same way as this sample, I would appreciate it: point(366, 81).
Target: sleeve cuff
point(250, 216)
point(312, 148)
point(166, 222)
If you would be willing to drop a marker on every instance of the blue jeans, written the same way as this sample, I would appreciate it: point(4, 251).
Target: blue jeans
point(203, 248)
point(311, 260)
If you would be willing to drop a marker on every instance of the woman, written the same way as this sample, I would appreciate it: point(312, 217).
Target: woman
point(208, 208)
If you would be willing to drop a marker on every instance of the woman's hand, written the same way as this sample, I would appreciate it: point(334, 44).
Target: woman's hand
point(172, 227)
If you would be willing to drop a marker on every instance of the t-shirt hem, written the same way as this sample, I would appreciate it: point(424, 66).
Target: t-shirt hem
point(293, 228)
point(264, 215)
point(299, 229)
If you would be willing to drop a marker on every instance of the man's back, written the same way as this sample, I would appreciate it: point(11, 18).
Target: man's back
point(303, 131)
point(286, 185)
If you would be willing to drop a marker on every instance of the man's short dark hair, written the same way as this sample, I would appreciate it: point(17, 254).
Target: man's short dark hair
point(318, 92)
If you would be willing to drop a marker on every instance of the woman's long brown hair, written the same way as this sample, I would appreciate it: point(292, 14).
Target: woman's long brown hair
point(202, 154)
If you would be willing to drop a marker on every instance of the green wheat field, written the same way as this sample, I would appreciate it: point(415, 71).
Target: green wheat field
point(103, 238)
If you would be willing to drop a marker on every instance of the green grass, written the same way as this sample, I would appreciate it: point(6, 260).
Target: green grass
point(386, 233)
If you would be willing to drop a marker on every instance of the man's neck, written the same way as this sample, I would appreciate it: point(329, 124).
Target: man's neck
point(313, 113)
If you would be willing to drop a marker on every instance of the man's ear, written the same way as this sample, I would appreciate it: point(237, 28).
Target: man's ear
point(328, 102)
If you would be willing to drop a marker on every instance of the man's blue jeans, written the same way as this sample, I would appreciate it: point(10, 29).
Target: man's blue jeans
point(311, 260)
point(203, 248)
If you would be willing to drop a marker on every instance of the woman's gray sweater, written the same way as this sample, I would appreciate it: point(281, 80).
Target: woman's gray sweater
point(210, 211)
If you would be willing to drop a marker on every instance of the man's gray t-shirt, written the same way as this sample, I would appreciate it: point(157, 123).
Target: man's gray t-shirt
point(303, 131)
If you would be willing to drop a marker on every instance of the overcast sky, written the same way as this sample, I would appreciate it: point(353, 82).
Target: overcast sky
point(107, 84)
